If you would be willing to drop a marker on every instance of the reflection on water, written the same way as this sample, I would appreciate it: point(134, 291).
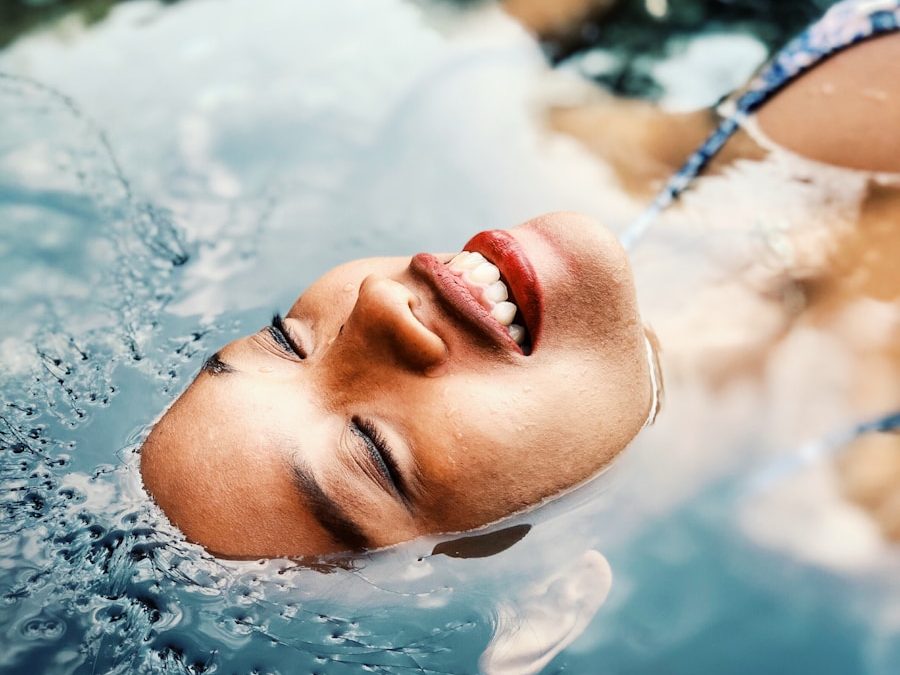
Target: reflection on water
point(167, 179)
point(547, 618)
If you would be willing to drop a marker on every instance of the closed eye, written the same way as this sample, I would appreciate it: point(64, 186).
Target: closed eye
point(383, 459)
point(283, 337)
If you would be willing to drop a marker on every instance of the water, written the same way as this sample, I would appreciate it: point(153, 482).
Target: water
point(152, 208)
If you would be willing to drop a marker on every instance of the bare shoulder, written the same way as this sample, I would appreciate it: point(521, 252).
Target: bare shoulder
point(844, 112)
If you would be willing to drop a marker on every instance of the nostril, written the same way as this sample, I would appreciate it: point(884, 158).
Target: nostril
point(387, 313)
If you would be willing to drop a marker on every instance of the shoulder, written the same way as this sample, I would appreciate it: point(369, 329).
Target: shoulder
point(845, 111)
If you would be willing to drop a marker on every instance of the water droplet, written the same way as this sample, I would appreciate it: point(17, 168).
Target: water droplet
point(876, 95)
point(43, 629)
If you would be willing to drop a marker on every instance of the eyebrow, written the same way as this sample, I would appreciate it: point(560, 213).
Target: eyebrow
point(329, 513)
point(214, 365)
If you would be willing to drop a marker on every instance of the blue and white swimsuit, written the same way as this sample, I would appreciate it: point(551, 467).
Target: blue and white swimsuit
point(844, 25)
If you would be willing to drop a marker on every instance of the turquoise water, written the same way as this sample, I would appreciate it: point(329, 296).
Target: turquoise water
point(168, 178)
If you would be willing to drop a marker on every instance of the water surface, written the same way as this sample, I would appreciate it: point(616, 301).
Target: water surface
point(168, 178)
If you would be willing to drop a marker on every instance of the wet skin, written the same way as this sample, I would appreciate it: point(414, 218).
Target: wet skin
point(382, 411)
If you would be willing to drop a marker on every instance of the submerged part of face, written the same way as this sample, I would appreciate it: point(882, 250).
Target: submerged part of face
point(393, 401)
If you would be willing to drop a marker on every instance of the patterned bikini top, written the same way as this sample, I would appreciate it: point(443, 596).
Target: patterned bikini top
point(842, 26)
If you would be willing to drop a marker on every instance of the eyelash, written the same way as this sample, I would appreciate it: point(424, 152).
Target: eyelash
point(379, 450)
point(280, 336)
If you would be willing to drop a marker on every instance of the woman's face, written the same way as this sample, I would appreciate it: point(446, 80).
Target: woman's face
point(392, 401)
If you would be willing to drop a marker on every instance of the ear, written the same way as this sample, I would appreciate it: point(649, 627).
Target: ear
point(547, 618)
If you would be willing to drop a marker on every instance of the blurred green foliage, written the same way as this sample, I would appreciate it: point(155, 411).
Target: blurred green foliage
point(20, 16)
point(630, 29)
point(630, 23)
point(632, 32)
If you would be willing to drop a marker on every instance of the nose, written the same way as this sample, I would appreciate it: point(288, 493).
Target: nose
point(384, 325)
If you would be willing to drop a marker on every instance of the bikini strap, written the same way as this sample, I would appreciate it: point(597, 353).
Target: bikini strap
point(788, 464)
point(844, 25)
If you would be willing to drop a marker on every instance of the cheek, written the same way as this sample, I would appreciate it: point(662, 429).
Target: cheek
point(518, 407)
point(562, 419)
point(599, 317)
point(487, 427)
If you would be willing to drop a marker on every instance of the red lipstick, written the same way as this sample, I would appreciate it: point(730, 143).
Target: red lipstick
point(501, 249)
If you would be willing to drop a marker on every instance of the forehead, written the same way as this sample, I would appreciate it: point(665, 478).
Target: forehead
point(221, 472)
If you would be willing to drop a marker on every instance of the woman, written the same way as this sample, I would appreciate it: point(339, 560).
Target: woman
point(400, 397)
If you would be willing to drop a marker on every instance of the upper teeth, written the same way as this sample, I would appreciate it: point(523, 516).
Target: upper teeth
point(504, 312)
point(496, 292)
point(485, 273)
point(483, 280)
point(467, 261)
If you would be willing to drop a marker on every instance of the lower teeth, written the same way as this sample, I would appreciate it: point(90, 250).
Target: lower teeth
point(517, 333)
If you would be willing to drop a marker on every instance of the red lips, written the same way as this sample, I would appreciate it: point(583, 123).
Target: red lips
point(501, 249)
point(504, 251)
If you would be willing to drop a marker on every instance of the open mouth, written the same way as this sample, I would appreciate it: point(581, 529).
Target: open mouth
point(492, 285)
point(488, 287)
